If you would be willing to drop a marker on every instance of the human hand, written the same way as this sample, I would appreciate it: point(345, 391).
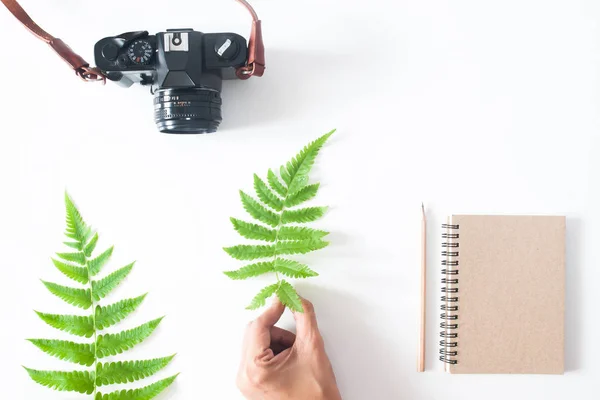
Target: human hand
point(278, 365)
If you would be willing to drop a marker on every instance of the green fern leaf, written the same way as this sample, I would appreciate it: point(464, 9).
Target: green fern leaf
point(309, 214)
point(76, 381)
point(293, 269)
point(256, 210)
point(285, 175)
point(79, 274)
point(114, 313)
point(96, 264)
point(79, 353)
point(78, 258)
point(73, 245)
point(113, 344)
point(78, 297)
point(300, 246)
point(299, 167)
point(288, 296)
point(251, 270)
point(89, 248)
point(145, 393)
point(103, 287)
point(298, 183)
point(253, 231)
point(261, 298)
point(250, 252)
point(129, 371)
point(276, 184)
point(76, 227)
point(266, 195)
point(84, 241)
point(277, 209)
point(302, 195)
point(300, 233)
point(74, 324)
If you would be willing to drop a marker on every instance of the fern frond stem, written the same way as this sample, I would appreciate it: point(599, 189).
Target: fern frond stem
point(277, 228)
point(277, 241)
point(93, 325)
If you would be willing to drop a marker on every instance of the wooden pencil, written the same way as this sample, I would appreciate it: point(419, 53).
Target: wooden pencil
point(421, 354)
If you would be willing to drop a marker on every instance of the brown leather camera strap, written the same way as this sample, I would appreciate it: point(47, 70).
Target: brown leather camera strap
point(81, 67)
point(254, 66)
point(256, 48)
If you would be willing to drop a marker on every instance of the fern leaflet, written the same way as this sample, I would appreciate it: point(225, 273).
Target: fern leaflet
point(145, 393)
point(75, 381)
point(302, 195)
point(258, 211)
point(78, 274)
point(77, 257)
point(104, 286)
point(114, 313)
point(91, 246)
point(73, 324)
point(288, 296)
point(302, 215)
point(275, 208)
point(79, 353)
point(254, 231)
point(299, 246)
point(251, 270)
point(116, 343)
point(129, 371)
point(276, 184)
point(293, 269)
point(250, 252)
point(76, 228)
point(300, 233)
point(96, 264)
point(261, 298)
point(266, 196)
point(77, 297)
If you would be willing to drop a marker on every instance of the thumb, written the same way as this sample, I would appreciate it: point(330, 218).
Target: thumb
point(306, 322)
point(259, 331)
point(271, 315)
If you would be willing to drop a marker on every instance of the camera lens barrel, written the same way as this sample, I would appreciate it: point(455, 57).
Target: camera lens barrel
point(187, 110)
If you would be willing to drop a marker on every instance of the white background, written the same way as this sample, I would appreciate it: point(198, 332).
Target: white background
point(470, 106)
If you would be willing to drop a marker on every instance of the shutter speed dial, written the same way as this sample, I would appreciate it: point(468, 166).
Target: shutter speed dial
point(140, 52)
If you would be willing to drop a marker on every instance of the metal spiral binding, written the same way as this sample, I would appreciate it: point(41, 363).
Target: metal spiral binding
point(450, 298)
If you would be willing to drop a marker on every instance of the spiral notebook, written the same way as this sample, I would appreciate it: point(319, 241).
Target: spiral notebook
point(503, 294)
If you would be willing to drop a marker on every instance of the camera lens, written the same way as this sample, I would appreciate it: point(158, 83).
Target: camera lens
point(189, 110)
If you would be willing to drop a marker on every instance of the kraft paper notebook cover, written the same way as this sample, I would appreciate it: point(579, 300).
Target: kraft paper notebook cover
point(503, 294)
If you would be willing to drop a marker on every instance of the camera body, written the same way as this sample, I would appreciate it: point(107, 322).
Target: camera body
point(184, 68)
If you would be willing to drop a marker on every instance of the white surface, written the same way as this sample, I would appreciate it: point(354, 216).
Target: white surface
point(470, 106)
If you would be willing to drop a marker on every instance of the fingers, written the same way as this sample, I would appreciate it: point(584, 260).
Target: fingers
point(271, 315)
point(306, 322)
point(259, 331)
